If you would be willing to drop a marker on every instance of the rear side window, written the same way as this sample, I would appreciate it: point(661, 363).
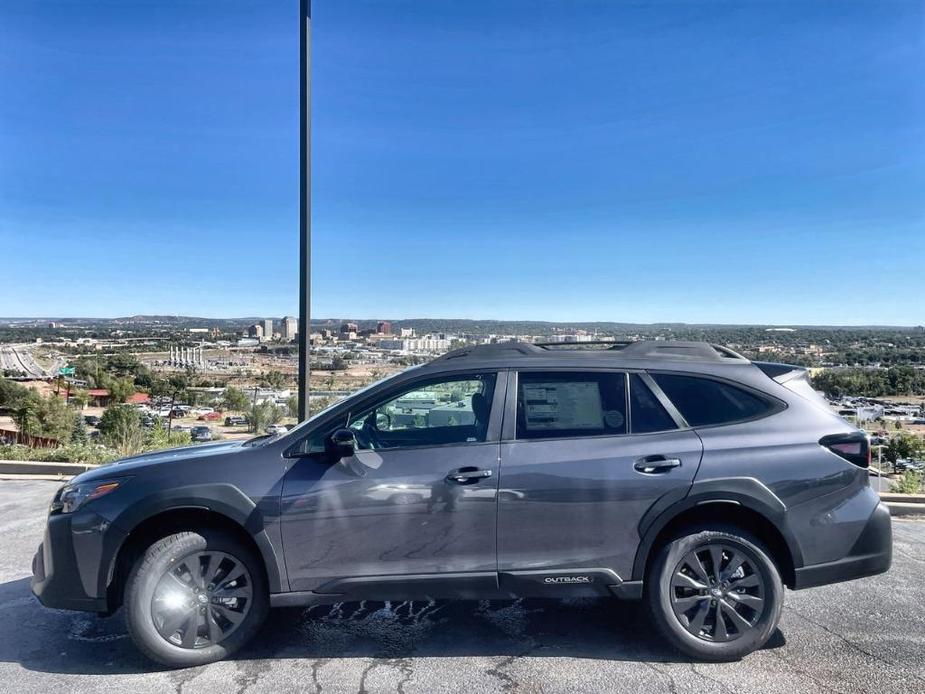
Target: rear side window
point(570, 404)
point(703, 401)
point(646, 412)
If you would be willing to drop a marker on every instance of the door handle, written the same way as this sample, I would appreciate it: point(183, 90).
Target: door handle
point(653, 464)
point(467, 474)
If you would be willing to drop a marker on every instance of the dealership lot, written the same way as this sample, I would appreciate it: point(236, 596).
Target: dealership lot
point(863, 636)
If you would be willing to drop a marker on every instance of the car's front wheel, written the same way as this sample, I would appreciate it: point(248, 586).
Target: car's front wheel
point(715, 593)
point(194, 598)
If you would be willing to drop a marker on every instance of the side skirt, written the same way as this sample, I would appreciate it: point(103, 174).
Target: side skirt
point(507, 585)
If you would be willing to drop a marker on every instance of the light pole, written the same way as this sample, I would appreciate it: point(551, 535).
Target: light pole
point(305, 201)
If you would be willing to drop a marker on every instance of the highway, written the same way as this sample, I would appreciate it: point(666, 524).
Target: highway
point(18, 358)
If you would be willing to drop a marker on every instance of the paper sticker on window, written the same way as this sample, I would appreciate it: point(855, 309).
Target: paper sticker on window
point(563, 405)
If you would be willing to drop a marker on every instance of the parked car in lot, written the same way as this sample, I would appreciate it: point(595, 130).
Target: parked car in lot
point(200, 433)
point(681, 474)
point(210, 417)
point(905, 464)
point(235, 421)
point(276, 429)
point(92, 420)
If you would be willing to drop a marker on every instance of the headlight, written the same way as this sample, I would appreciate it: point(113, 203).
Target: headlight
point(72, 496)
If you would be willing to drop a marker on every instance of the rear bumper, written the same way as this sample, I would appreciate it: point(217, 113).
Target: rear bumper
point(870, 555)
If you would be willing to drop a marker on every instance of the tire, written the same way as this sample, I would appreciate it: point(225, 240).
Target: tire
point(687, 615)
point(162, 588)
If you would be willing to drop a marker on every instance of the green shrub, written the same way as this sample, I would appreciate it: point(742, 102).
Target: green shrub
point(909, 483)
point(89, 454)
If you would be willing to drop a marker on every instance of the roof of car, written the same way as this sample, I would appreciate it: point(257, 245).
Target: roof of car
point(638, 354)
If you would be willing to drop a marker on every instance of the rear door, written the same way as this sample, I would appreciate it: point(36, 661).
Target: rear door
point(584, 455)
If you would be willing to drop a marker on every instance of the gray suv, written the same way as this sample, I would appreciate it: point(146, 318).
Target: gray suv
point(678, 473)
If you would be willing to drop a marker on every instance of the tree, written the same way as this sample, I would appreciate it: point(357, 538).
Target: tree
point(120, 388)
point(11, 393)
point(80, 398)
point(173, 387)
point(292, 405)
point(120, 427)
point(234, 399)
point(902, 445)
point(157, 438)
point(264, 414)
point(49, 417)
point(275, 380)
point(79, 432)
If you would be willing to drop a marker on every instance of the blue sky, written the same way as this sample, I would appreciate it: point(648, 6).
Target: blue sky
point(744, 162)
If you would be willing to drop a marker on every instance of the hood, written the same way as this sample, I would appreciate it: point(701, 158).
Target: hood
point(125, 466)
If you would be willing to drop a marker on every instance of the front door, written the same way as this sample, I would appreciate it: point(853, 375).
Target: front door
point(587, 455)
point(417, 499)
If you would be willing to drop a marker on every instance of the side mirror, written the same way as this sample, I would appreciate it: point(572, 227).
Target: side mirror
point(342, 444)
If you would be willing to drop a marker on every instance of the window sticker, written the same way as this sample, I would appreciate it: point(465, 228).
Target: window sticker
point(563, 405)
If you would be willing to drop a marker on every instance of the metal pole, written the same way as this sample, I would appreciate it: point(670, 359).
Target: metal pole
point(305, 201)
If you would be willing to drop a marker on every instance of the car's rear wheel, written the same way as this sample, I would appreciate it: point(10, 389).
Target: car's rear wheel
point(194, 598)
point(715, 593)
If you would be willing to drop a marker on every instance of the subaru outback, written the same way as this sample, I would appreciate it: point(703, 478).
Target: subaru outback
point(677, 473)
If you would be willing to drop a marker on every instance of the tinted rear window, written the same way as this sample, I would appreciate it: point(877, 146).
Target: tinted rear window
point(702, 401)
point(646, 412)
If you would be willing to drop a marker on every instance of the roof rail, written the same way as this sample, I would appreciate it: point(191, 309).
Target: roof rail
point(523, 348)
point(613, 344)
point(641, 349)
point(676, 348)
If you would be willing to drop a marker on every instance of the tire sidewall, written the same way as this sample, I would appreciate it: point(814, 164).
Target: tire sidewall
point(150, 568)
point(660, 594)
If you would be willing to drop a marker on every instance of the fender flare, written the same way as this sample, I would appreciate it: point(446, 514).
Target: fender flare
point(222, 498)
point(746, 492)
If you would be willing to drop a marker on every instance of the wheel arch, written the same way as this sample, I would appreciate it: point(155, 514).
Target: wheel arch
point(222, 507)
point(743, 502)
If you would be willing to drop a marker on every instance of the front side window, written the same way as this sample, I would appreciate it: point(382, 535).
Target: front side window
point(455, 409)
point(451, 410)
point(570, 404)
point(704, 402)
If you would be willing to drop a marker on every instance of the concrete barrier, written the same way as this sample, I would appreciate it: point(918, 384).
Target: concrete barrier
point(30, 467)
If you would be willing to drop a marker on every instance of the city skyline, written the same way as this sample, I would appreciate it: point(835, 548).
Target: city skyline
point(392, 321)
point(507, 161)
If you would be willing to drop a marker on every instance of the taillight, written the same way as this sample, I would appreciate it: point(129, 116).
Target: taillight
point(853, 447)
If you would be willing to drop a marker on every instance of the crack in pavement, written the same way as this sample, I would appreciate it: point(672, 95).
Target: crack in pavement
point(247, 679)
point(180, 678)
point(508, 683)
point(849, 642)
point(812, 678)
point(316, 666)
point(726, 687)
point(672, 683)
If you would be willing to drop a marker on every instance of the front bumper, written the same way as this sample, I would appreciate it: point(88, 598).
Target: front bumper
point(73, 565)
point(870, 555)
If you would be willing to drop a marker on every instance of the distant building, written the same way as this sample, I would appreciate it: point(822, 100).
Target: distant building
point(428, 343)
point(349, 328)
point(255, 330)
point(406, 332)
point(268, 328)
point(383, 327)
point(288, 328)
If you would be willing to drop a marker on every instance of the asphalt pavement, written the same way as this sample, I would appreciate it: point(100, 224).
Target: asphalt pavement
point(861, 636)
